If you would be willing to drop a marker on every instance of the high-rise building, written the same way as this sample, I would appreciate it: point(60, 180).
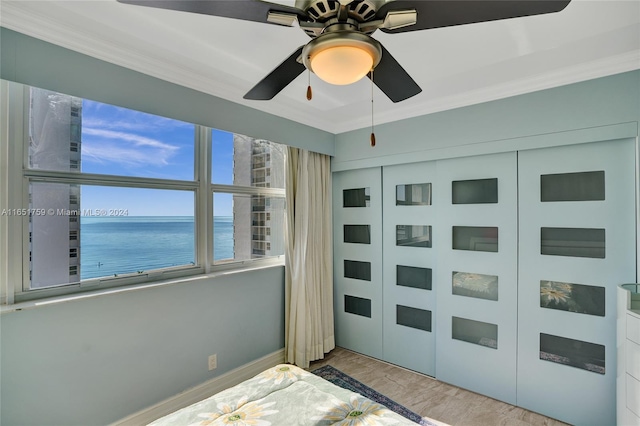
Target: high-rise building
point(258, 220)
point(55, 127)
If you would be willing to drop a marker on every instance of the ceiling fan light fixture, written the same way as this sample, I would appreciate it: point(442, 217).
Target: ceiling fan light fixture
point(341, 64)
point(342, 57)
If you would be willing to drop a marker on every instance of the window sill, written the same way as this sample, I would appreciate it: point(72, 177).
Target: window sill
point(32, 304)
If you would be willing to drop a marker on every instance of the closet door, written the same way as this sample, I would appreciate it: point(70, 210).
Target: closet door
point(577, 242)
point(357, 242)
point(477, 275)
point(409, 266)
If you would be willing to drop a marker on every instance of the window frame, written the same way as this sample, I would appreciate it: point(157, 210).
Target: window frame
point(14, 230)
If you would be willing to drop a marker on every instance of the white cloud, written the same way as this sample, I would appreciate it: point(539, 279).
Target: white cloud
point(127, 149)
point(110, 153)
point(137, 140)
point(104, 116)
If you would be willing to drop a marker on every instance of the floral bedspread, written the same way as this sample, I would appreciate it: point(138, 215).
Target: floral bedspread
point(285, 395)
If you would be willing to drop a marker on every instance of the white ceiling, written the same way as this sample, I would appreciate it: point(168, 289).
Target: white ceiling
point(455, 66)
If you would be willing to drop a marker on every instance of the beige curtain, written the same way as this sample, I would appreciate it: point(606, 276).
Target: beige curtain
point(309, 258)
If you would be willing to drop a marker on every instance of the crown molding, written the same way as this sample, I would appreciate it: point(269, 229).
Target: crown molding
point(21, 18)
point(617, 64)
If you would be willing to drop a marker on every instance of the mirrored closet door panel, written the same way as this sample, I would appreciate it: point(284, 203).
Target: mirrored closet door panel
point(409, 265)
point(577, 243)
point(357, 241)
point(476, 278)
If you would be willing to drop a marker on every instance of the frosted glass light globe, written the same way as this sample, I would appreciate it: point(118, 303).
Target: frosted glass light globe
point(341, 64)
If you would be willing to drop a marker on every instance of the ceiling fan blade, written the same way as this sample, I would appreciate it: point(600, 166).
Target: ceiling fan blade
point(277, 79)
point(248, 10)
point(446, 13)
point(393, 80)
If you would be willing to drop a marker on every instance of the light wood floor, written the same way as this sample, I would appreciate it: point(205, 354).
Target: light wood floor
point(441, 402)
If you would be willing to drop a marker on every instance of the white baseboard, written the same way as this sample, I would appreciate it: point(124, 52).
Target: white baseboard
point(200, 392)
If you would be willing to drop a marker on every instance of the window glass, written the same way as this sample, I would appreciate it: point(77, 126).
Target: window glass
point(413, 317)
point(476, 332)
point(359, 197)
point(70, 134)
point(574, 353)
point(478, 191)
point(582, 186)
point(357, 305)
point(417, 194)
point(357, 234)
point(579, 298)
point(247, 226)
point(245, 161)
point(412, 276)
point(475, 238)
point(475, 285)
point(573, 242)
point(81, 232)
point(357, 270)
point(413, 236)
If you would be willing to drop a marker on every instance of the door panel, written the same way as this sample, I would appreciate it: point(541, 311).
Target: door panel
point(357, 242)
point(476, 279)
point(577, 242)
point(409, 266)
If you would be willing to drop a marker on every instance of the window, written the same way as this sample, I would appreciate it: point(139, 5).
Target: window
point(241, 230)
point(244, 161)
point(247, 178)
point(113, 196)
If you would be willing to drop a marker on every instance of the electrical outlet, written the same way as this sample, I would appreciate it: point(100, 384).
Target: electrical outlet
point(213, 362)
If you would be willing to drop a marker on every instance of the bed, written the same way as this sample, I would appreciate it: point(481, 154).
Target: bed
point(284, 395)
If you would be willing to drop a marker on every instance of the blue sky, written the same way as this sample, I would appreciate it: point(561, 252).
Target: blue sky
point(124, 142)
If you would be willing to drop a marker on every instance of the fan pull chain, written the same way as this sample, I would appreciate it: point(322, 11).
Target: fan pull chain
point(372, 138)
point(309, 91)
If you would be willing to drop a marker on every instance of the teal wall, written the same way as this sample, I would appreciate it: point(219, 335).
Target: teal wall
point(599, 109)
point(96, 360)
point(37, 63)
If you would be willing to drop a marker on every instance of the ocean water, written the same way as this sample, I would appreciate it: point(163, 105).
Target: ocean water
point(122, 245)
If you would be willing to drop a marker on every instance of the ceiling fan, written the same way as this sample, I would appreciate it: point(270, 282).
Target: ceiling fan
point(342, 50)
